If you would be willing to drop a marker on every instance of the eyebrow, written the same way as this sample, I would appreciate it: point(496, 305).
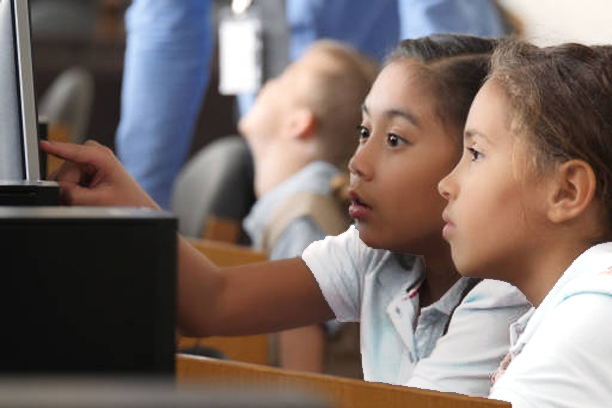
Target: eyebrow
point(470, 134)
point(392, 113)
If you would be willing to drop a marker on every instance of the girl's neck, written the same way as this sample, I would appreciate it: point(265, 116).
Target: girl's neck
point(545, 270)
point(441, 275)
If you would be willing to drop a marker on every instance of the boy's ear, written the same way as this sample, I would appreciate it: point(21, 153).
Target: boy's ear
point(301, 123)
point(573, 191)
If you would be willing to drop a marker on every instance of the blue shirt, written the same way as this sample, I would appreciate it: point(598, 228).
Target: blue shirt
point(375, 27)
point(401, 344)
point(314, 178)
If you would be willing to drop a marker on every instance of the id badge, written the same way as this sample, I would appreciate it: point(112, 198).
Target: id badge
point(240, 51)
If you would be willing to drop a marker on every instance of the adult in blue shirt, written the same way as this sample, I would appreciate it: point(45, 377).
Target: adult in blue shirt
point(169, 47)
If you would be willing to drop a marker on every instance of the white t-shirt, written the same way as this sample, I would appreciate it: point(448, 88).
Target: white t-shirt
point(561, 353)
point(399, 343)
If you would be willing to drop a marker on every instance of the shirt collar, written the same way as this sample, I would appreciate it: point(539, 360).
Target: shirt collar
point(451, 299)
point(416, 274)
point(313, 178)
point(591, 262)
point(518, 327)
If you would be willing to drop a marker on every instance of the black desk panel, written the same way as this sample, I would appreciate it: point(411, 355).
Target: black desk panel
point(87, 290)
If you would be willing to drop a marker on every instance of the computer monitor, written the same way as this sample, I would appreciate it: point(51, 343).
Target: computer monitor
point(19, 159)
point(20, 164)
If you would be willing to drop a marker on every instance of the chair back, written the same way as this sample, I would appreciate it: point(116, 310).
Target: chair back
point(214, 191)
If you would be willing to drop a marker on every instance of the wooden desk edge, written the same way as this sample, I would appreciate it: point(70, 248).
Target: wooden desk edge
point(345, 392)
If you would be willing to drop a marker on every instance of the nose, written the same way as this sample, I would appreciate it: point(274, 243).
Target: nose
point(360, 164)
point(447, 186)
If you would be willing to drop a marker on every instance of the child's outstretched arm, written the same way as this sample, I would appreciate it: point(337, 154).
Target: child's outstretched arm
point(241, 300)
point(249, 299)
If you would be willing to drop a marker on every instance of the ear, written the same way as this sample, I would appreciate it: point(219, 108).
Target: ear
point(301, 124)
point(573, 191)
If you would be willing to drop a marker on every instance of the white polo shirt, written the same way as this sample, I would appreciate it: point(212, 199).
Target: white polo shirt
point(561, 353)
point(401, 344)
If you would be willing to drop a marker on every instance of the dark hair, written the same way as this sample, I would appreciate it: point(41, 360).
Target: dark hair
point(437, 46)
point(561, 99)
point(454, 66)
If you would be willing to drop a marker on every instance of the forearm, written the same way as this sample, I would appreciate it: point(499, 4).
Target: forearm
point(198, 283)
point(249, 299)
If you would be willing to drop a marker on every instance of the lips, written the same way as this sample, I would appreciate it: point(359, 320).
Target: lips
point(358, 209)
point(449, 226)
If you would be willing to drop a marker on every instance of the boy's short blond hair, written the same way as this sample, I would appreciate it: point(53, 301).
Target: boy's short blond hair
point(334, 91)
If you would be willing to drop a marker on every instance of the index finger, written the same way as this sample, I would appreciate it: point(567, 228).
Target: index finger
point(75, 153)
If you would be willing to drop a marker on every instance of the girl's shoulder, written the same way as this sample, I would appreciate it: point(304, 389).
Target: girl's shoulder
point(345, 251)
point(349, 245)
point(579, 295)
point(594, 283)
point(490, 293)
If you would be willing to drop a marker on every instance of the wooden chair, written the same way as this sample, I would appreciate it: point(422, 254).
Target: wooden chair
point(249, 349)
point(340, 392)
point(225, 254)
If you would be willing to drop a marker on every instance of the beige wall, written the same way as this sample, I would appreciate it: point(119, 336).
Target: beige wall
point(554, 21)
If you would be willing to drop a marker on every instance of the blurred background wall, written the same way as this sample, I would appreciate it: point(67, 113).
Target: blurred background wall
point(553, 21)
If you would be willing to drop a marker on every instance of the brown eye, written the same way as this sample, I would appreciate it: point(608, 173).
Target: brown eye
point(362, 133)
point(475, 154)
point(394, 140)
